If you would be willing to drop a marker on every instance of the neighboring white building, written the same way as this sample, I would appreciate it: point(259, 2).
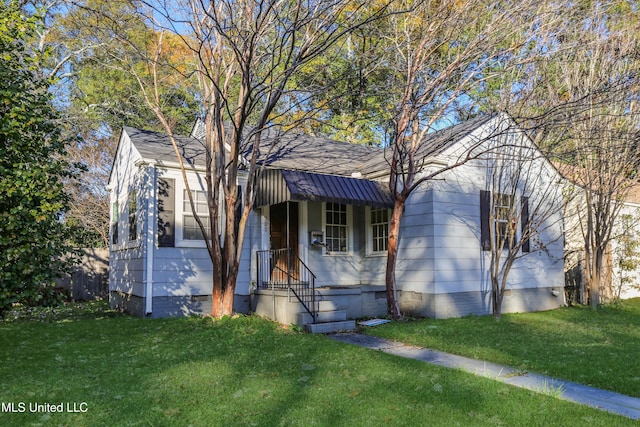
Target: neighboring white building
point(333, 199)
point(621, 276)
point(625, 249)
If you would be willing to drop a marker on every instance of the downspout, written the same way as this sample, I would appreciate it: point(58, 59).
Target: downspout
point(151, 236)
point(111, 279)
point(288, 253)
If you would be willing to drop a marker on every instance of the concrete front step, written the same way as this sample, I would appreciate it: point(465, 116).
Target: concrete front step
point(331, 316)
point(323, 317)
point(327, 305)
point(331, 327)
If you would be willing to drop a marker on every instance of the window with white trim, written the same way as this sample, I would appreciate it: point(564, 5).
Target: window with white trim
point(378, 230)
point(503, 205)
point(190, 228)
point(336, 228)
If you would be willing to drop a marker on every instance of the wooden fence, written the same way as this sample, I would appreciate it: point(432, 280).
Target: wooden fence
point(89, 279)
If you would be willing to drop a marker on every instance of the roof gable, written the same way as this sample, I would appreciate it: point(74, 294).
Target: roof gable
point(126, 153)
point(157, 146)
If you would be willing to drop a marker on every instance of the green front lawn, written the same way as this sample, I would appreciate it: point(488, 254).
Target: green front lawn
point(598, 348)
point(242, 371)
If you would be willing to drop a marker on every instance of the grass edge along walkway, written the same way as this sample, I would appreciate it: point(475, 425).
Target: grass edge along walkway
point(596, 398)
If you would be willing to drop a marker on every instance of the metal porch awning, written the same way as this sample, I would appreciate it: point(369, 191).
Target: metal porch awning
point(282, 185)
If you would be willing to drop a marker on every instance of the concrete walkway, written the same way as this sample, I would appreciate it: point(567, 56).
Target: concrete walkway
point(596, 398)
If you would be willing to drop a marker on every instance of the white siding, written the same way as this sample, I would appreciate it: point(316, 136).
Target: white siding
point(126, 263)
point(458, 255)
point(440, 251)
point(415, 265)
point(626, 282)
point(177, 272)
point(457, 218)
point(187, 269)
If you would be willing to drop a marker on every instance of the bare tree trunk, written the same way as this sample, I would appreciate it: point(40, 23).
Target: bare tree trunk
point(498, 295)
point(502, 286)
point(393, 307)
point(497, 285)
point(217, 294)
point(584, 271)
point(228, 295)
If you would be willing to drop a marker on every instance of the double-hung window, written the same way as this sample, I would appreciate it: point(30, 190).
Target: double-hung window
point(379, 230)
point(500, 210)
point(190, 228)
point(505, 226)
point(336, 228)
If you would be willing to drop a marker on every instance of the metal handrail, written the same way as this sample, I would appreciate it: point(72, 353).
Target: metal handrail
point(300, 281)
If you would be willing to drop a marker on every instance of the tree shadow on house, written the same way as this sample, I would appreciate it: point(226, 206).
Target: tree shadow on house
point(181, 277)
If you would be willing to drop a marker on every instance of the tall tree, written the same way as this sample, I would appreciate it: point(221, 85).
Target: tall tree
point(440, 52)
point(578, 97)
point(244, 55)
point(104, 98)
point(345, 91)
point(95, 98)
point(601, 76)
point(33, 234)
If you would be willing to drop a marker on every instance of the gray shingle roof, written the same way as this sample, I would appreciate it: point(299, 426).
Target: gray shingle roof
point(316, 154)
point(434, 144)
point(295, 151)
point(157, 146)
point(304, 167)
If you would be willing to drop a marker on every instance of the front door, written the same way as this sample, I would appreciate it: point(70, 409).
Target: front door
point(278, 241)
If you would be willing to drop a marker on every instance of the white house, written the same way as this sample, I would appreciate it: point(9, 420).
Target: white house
point(625, 260)
point(621, 263)
point(327, 205)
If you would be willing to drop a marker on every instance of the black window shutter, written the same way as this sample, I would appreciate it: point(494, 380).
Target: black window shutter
point(114, 225)
point(485, 207)
point(114, 233)
point(524, 223)
point(166, 213)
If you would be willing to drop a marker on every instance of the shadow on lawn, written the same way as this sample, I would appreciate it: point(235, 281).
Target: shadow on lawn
point(247, 374)
point(235, 371)
point(577, 344)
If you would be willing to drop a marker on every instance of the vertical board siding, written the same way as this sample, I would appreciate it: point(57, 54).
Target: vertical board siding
point(90, 278)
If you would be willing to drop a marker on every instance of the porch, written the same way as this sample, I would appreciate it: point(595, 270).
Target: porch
point(315, 223)
point(286, 292)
